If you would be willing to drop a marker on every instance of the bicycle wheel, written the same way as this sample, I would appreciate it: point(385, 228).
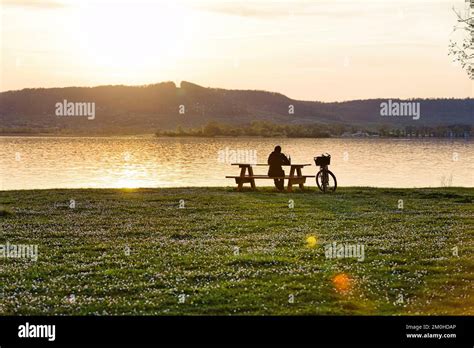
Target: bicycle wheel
point(326, 181)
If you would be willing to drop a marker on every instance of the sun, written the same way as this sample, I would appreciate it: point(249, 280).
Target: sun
point(132, 39)
point(126, 183)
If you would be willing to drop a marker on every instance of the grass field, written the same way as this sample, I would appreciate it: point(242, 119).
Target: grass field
point(228, 253)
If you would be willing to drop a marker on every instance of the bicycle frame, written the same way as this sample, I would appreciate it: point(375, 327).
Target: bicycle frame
point(325, 178)
point(324, 175)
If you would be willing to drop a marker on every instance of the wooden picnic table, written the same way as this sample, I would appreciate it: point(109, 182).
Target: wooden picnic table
point(247, 175)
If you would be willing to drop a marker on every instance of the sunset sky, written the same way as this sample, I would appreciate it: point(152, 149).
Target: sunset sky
point(327, 50)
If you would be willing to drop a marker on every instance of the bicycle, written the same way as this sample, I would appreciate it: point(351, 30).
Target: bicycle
point(325, 179)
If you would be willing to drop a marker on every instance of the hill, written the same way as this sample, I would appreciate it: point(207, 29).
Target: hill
point(143, 109)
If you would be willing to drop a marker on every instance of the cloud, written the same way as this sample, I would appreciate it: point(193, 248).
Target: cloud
point(341, 9)
point(39, 4)
point(256, 10)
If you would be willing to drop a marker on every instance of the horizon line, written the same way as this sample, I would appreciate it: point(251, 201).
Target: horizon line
point(236, 89)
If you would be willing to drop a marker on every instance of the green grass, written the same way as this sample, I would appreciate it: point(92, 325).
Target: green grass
point(192, 251)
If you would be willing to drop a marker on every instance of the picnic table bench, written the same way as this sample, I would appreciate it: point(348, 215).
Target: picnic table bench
point(298, 179)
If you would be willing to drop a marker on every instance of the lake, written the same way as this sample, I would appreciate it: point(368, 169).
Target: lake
point(147, 161)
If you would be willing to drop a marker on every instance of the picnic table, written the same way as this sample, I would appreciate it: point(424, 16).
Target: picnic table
point(247, 175)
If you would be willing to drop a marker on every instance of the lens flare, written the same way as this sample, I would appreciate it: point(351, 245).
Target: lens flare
point(311, 241)
point(342, 282)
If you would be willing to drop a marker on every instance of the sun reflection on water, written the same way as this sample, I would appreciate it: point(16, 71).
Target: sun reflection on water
point(114, 162)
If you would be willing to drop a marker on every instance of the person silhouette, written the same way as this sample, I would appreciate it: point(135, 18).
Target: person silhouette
point(275, 161)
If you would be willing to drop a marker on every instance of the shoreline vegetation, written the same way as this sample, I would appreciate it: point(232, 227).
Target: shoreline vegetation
point(214, 251)
point(269, 129)
point(266, 129)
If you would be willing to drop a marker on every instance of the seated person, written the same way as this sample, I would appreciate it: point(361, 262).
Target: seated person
point(276, 160)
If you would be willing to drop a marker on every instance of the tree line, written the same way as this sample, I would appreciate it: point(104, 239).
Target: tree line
point(269, 129)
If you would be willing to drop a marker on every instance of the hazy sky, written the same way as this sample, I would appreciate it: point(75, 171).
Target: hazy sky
point(315, 50)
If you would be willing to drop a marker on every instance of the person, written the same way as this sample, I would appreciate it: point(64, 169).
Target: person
point(275, 161)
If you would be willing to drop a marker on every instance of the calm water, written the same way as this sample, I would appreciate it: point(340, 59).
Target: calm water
point(73, 162)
